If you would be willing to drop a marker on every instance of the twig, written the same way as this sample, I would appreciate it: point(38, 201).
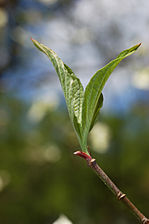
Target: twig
point(108, 182)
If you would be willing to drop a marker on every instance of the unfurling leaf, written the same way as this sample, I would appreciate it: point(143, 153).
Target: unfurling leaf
point(83, 107)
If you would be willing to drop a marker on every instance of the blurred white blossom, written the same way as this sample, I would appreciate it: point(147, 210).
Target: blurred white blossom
point(41, 106)
point(100, 137)
point(62, 220)
point(141, 79)
point(48, 2)
point(4, 179)
point(45, 154)
point(3, 18)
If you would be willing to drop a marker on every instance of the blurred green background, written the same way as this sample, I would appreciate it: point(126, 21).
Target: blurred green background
point(40, 179)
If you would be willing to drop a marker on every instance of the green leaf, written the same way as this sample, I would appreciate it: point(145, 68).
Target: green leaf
point(97, 109)
point(72, 87)
point(83, 107)
point(93, 92)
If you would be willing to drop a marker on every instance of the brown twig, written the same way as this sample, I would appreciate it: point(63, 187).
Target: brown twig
point(109, 183)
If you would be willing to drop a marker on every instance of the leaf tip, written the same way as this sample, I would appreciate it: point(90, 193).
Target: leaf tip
point(137, 46)
point(37, 44)
point(33, 40)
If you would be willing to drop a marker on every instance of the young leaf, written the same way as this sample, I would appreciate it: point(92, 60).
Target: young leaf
point(83, 107)
point(72, 87)
point(97, 109)
point(93, 91)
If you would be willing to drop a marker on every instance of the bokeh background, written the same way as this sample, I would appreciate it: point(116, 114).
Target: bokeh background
point(40, 180)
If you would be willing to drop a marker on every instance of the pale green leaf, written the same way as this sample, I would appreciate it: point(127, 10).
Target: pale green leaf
point(72, 87)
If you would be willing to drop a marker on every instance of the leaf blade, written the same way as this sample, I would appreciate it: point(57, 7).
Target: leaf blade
point(94, 89)
point(71, 85)
point(97, 109)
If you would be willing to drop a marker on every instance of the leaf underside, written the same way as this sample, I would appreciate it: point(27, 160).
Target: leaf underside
point(83, 107)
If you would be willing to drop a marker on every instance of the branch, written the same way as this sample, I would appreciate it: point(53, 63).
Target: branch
point(108, 182)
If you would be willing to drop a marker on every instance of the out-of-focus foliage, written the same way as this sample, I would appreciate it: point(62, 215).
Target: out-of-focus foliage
point(40, 178)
